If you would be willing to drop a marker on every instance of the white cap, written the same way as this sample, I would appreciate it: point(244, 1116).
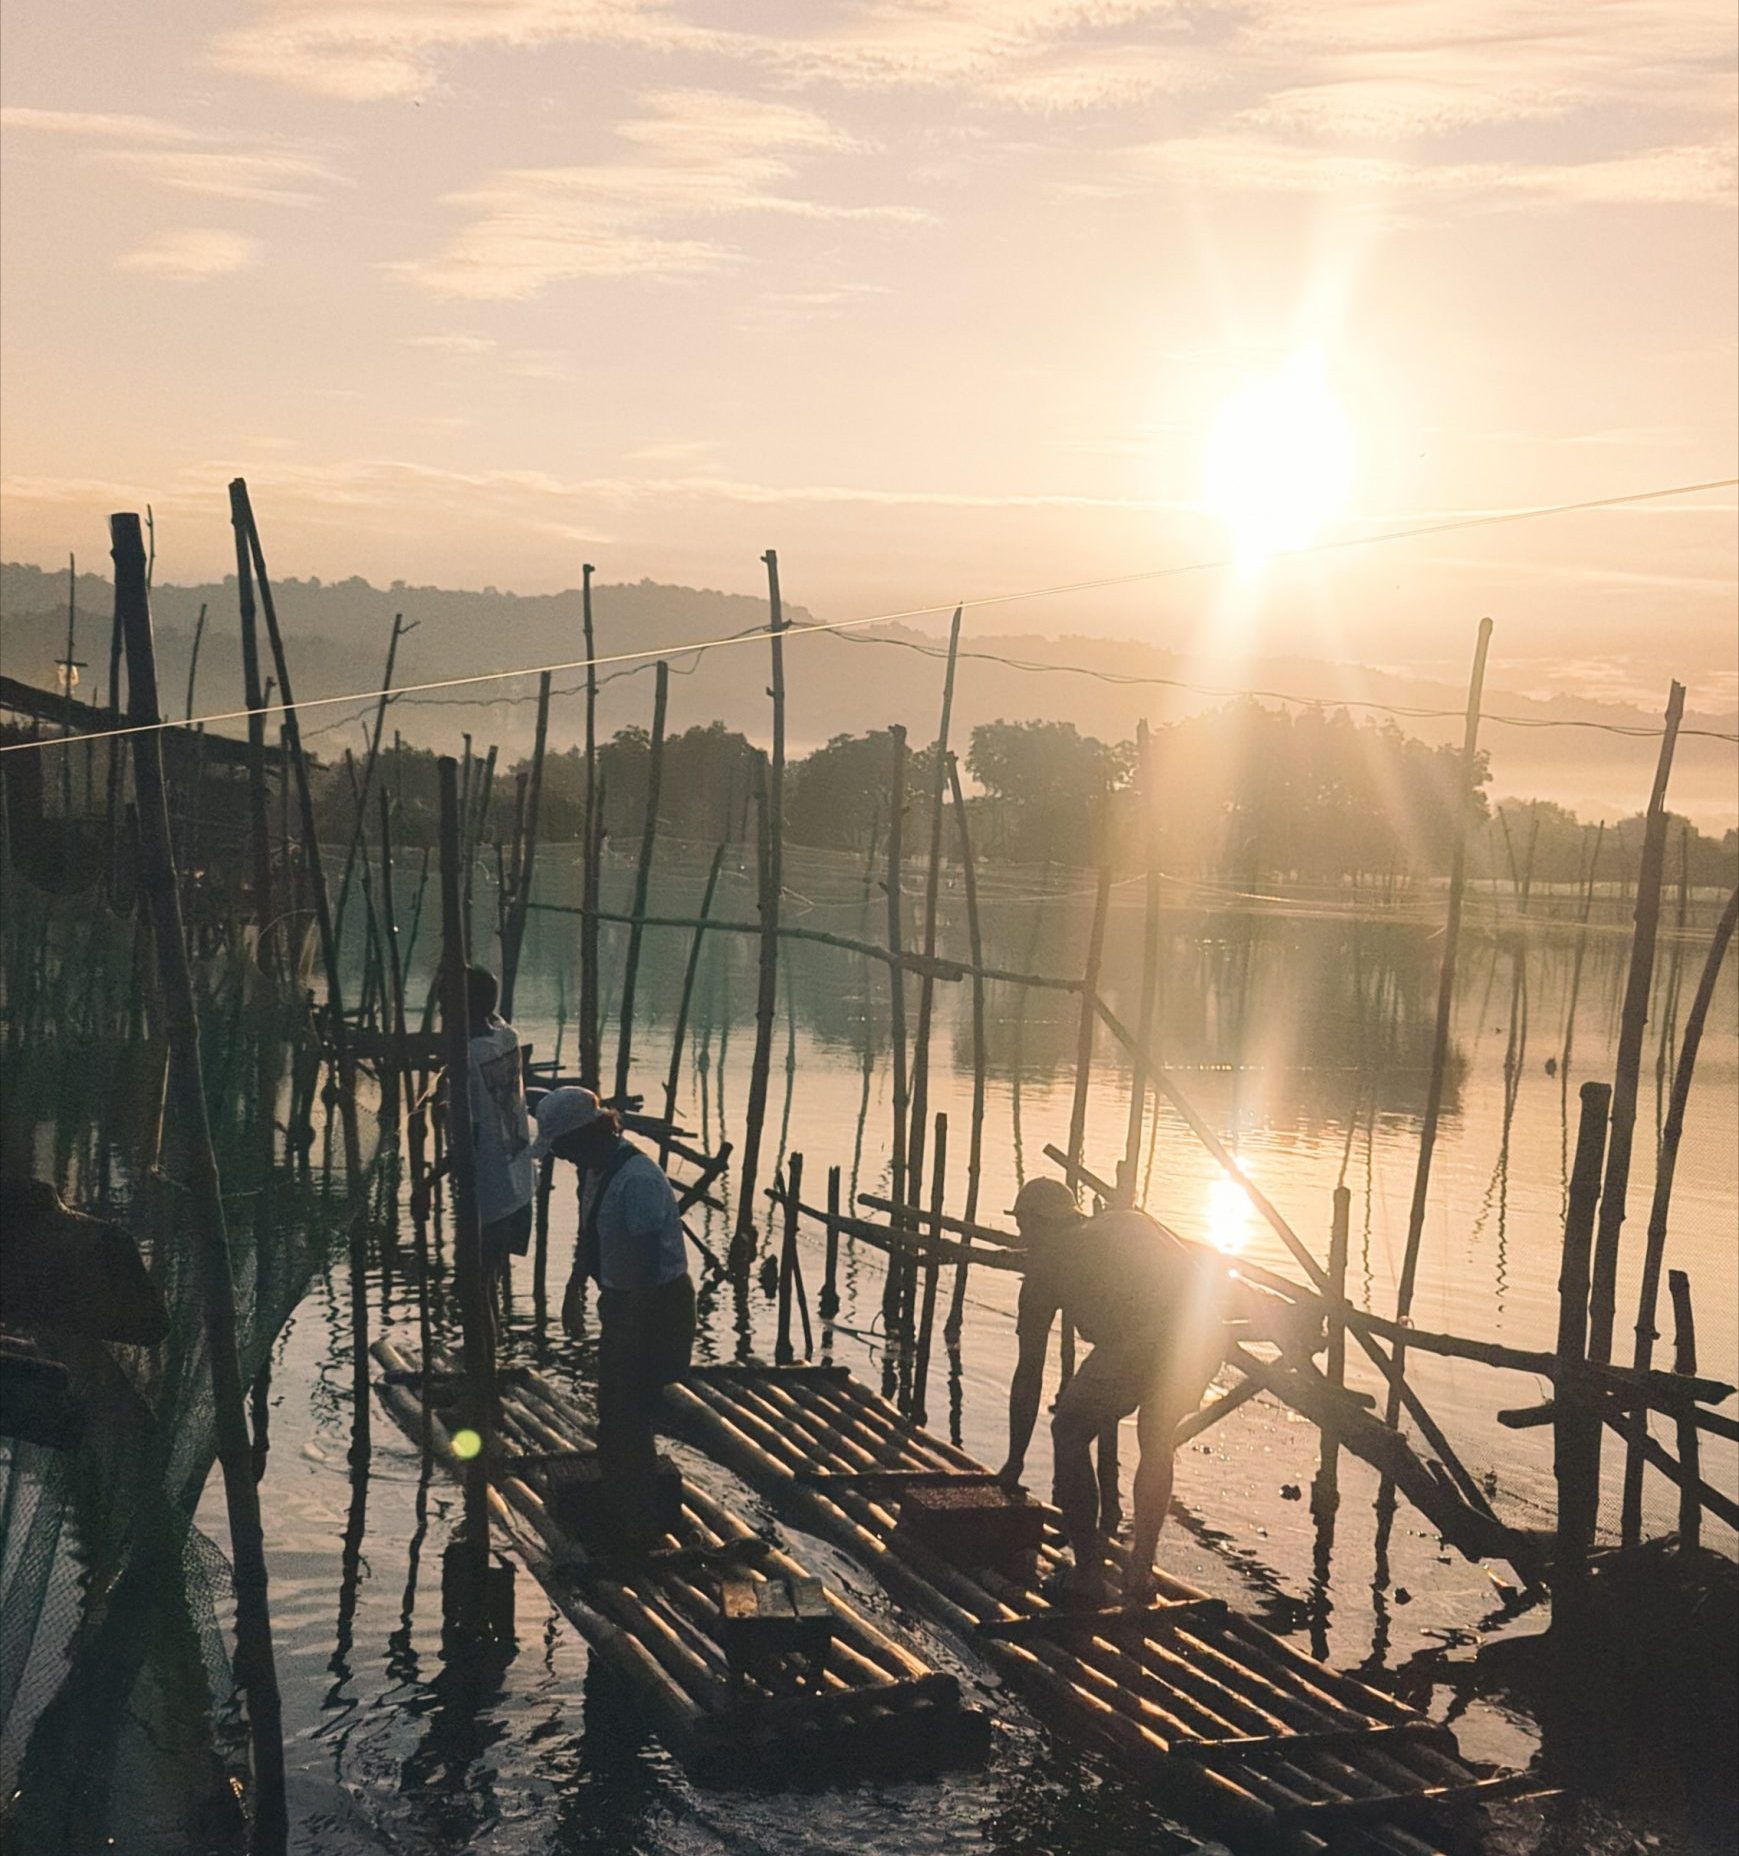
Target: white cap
point(563, 1111)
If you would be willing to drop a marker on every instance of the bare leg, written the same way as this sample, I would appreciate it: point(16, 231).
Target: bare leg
point(1110, 1495)
point(1155, 1428)
point(1078, 1495)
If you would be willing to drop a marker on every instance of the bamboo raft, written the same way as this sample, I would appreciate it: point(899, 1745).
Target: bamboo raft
point(1233, 1727)
point(861, 1706)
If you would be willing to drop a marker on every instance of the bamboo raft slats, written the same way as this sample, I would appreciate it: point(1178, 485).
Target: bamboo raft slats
point(1234, 1727)
point(870, 1707)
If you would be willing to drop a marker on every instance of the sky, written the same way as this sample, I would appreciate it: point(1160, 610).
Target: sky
point(941, 300)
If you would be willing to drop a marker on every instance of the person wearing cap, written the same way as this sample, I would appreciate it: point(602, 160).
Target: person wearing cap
point(1045, 1212)
point(632, 1245)
point(1154, 1312)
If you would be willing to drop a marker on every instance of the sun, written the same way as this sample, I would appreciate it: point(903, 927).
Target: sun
point(1279, 459)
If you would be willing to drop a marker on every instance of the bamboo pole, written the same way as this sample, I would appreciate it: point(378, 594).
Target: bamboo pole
point(1464, 791)
point(674, 1076)
point(255, 700)
point(1690, 1446)
point(591, 1058)
point(920, 1106)
point(1576, 1443)
point(255, 1664)
point(1325, 1491)
point(1084, 1047)
point(793, 1196)
point(513, 948)
point(938, 1186)
point(1603, 1289)
point(642, 879)
point(376, 736)
point(827, 1305)
point(467, 1234)
point(1148, 798)
point(1666, 1167)
point(770, 795)
point(193, 658)
point(975, 1139)
point(896, 990)
point(471, 828)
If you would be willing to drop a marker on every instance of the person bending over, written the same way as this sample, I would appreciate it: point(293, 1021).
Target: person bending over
point(500, 1130)
point(631, 1244)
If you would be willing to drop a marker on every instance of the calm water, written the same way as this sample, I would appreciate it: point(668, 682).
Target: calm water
point(1303, 1039)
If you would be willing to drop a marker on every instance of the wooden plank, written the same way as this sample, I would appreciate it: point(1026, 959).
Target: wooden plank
point(1321, 1740)
point(1111, 1620)
point(1385, 1807)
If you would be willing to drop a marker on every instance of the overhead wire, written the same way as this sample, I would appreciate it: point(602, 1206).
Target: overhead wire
point(1102, 583)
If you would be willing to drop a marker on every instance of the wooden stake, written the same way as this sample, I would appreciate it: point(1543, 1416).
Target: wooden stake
point(1325, 1493)
point(1148, 799)
point(255, 1664)
point(1666, 1167)
point(896, 993)
point(467, 1232)
point(793, 1195)
point(1627, 1070)
point(642, 880)
point(193, 658)
point(827, 1305)
point(920, 1108)
point(1465, 788)
point(938, 1186)
point(1690, 1445)
point(1084, 1046)
point(514, 945)
point(673, 1078)
point(591, 1058)
point(253, 696)
point(1576, 1444)
point(975, 1139)
point(770, 815)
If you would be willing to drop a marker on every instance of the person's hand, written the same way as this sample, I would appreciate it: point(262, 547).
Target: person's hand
point(1138, 1584)
point(1010, 1474)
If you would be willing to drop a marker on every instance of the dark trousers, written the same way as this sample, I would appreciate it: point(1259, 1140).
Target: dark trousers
point(645, 1339)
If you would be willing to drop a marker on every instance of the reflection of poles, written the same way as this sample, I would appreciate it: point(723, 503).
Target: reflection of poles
point(198, 1164)
point(1666, 1165)
point(642, 879)
point(1325, 1491)
point(1576, 1431)
point(1603, 1288)
point(1462, 803)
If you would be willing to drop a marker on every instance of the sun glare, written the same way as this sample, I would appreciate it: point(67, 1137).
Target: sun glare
point(1230, 1218)
point(1279, 459)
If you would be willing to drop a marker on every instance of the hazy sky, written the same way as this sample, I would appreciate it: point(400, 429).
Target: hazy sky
point(939, 299)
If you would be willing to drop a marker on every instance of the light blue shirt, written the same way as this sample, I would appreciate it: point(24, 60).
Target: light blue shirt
point(640, 1236)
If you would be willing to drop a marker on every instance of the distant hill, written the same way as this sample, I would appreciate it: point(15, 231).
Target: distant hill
point(336, 633)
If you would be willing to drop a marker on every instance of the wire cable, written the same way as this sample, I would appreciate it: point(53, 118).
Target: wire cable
point(1489, 520)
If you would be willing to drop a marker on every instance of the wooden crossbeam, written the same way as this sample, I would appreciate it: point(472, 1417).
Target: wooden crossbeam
point(1110, 1620)
point(1319, 1740)
point(1384, 1807)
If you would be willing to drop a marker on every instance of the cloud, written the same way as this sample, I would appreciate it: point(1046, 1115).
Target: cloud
point(694, 158)
point(454, 344)
point(193, 255)
point(396, 48)
point(186, 160)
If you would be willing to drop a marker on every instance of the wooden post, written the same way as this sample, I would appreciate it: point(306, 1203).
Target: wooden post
point(827, 1305)
point(471, 829)
point(197, 1166)
point(254, 697)
point(1465, 788)
point(467, 1233)
point(1084, 1049)
point(1147, 798)
point(642, 879)
point(933, 1242)
point(514, 944)
point(376, 737)
point(591, 1058)
point(975, 1141)
point(193, 658)
point(1666, 1166)
point(1628, 1066)
point(1690, 1445)
point(677, 1036)
point(782, 1353)
point(396, 974)
point(920, 1108)
point(770, 816)
point(893, 1287)
point(1576, 1439)
point(69, 665)
point(1325, 1491)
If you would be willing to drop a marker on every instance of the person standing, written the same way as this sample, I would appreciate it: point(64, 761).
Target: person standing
point(1155, 1313)
point(500, 1130)
point(632, 1245)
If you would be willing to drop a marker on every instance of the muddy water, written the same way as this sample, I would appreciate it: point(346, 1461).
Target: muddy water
point(1304, 1040)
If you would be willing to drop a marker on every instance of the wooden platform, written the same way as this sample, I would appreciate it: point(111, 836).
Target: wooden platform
point(817, 1704)
point(1235, 1729)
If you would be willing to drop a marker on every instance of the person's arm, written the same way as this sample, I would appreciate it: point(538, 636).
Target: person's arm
point(1037, 1311)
